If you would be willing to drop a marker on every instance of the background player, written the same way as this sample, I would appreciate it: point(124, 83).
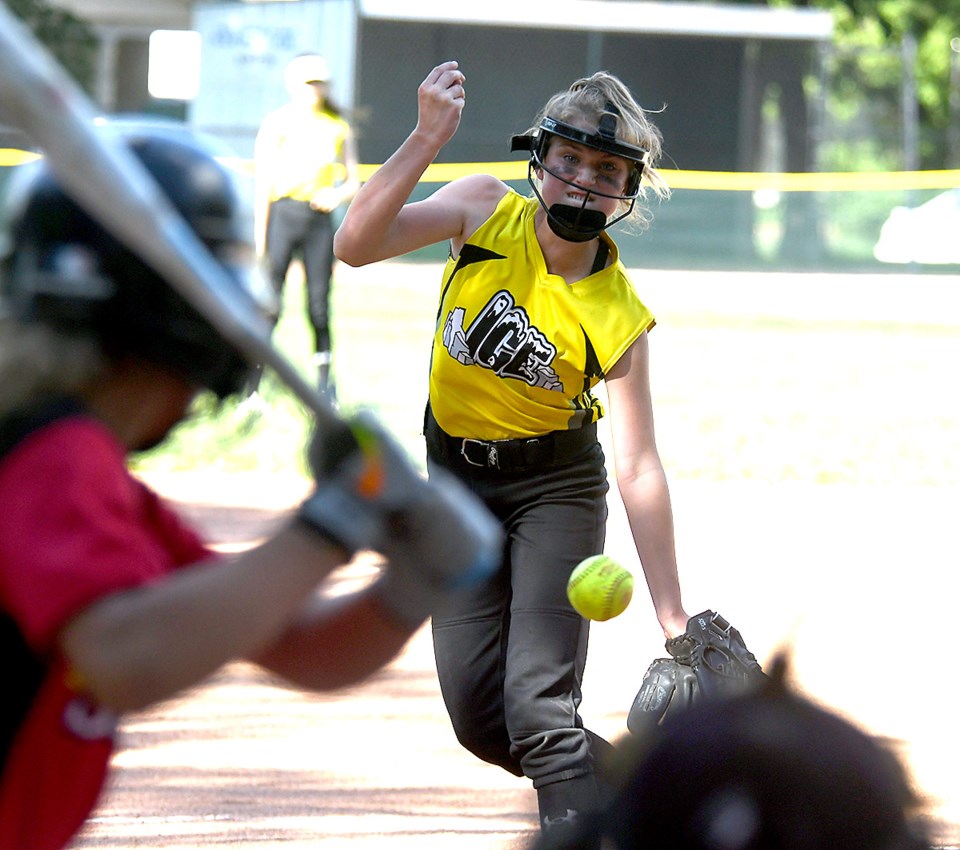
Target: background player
point(305, 167)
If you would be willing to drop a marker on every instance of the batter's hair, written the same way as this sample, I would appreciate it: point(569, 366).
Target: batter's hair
point(38, 361)
point(588, 100)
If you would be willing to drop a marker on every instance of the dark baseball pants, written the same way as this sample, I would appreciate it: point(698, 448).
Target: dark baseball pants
point(294, 228)
point(510, 654)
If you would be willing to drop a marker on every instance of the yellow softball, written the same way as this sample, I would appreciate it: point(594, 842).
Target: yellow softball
point(599, 588)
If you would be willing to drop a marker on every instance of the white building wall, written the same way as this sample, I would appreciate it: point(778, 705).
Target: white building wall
point(245, 48)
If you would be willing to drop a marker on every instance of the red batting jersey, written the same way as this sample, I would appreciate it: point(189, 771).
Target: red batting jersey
point(75, 526)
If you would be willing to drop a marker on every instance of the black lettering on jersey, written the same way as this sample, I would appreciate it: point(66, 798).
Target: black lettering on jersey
point(591, 369)
point(531, 360)
point(494, 314)
point(591, 365)
point(502, 339)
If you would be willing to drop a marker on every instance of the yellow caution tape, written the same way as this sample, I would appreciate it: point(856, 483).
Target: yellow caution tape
point(720, 181)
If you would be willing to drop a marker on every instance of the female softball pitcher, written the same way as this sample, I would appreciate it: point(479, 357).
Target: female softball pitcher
point(535, 310)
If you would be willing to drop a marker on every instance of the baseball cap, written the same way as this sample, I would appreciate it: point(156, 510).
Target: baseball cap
point(308, 69)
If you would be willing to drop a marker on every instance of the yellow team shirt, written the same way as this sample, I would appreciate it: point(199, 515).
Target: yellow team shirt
point(517, 350)
point(302, 150)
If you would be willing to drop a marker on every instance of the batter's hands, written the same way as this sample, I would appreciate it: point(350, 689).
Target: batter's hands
point(440, 101)
point(436, 535)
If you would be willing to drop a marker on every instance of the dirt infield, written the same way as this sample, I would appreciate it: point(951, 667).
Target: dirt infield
point(811, 431)
point(244, 762)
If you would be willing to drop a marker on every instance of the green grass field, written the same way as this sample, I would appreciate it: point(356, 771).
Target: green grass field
point(808, 378)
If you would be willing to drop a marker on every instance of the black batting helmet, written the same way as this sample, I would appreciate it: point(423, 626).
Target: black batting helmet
point(60, 267)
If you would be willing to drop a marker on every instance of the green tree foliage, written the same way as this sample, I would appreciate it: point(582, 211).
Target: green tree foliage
point(870, 33)
point(69, 38)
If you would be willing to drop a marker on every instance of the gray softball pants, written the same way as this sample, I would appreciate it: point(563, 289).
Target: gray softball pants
point(510, 653)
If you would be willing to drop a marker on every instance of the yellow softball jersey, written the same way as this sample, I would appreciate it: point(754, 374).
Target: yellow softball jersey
point(517, 349)
point(304, 151)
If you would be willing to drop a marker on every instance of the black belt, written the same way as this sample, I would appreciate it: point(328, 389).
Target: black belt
point(517, 455)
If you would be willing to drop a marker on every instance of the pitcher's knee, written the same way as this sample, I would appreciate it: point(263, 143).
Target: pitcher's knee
point(489, 747)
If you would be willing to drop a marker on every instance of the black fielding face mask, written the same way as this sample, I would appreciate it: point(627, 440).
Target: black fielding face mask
point(571, 223)
point(575, 224)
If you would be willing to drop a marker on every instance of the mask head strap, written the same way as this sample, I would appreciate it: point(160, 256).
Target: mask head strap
point(607, 128)
point(604, 140)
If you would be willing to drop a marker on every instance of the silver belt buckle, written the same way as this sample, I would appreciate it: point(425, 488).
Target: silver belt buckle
point(490, 450)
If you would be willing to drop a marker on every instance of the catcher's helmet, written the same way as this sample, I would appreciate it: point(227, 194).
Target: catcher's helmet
point(60, 267)
point(579, 224)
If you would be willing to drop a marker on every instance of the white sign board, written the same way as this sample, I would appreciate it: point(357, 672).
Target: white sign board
point(244, 50)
